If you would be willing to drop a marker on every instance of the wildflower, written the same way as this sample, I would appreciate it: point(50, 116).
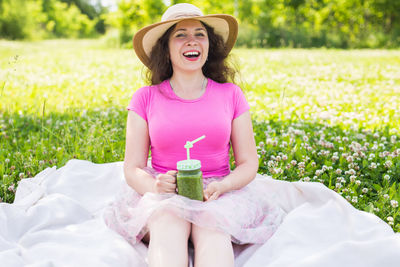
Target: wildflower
point(293, 162)
point(388, 164)
point(386, 177)
point(358, 182)
point(348, 198)
point(386, 196)
point(373, 165)
point(11, 188)
point(278, 158)
point(353, 178)
point(21, 175)
point(335, 158)
point(394, 203)
point(284, 157)
point(365, 190)
point(5, 176)
point(393, 139)
point(7, 160)
point(376, 135)
point(354, 199)
point(338, 171)
point(318, 172)
point(338, 185)
point(313, 164)
point(390, 219)
point(301, 165)
point(261, 144)
point(306, 179)
point(305, 138)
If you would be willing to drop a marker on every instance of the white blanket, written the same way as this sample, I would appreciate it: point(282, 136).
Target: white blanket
point(56, 220)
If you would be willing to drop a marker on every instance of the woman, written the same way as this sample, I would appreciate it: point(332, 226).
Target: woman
point(189, 96)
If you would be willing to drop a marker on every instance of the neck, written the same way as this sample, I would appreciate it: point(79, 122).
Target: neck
point(187, 82)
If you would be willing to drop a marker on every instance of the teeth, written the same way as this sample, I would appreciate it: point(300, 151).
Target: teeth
point(191, 53)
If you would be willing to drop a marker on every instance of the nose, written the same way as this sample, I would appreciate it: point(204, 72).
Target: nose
point(191, 41)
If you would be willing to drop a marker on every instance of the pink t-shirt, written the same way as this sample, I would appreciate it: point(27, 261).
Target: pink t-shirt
point(172, 121)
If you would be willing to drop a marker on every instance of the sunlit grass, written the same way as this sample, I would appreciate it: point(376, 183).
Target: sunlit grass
point(327, 116)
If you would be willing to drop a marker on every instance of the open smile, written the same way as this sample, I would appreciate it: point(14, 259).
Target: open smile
point(192, 55)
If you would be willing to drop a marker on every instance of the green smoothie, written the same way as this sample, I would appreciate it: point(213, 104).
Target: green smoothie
point(190, 179)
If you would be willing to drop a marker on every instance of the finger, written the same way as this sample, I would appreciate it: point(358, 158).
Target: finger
point(214, 196)
point(172, 173)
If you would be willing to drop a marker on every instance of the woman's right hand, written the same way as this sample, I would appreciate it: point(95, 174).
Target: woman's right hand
point(165, 182)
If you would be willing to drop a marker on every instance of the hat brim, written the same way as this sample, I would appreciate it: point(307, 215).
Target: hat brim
point(224, 25)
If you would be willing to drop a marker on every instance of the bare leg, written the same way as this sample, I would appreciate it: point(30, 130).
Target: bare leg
point(211, 248)
point(168, 244)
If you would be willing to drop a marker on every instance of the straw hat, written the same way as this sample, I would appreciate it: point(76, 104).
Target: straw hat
point(145, 38)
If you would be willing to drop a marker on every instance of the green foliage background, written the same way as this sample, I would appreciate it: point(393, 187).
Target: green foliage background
point(263, 23)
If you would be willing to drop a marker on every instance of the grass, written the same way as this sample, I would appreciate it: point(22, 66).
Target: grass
point(328, 116)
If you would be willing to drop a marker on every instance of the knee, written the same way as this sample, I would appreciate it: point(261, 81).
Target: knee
point(167, 225)
point(203, 238)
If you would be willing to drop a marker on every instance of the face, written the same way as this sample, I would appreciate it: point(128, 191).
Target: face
point(188, 45)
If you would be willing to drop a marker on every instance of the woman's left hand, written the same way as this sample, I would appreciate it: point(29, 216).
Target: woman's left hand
point(214, 190)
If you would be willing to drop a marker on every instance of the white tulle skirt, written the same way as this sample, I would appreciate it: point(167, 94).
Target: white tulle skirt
point(249, 215)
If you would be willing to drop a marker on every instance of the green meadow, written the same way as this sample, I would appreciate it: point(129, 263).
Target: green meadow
point(320, 115)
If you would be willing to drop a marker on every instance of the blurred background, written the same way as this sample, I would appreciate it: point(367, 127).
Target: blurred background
point(263, 23)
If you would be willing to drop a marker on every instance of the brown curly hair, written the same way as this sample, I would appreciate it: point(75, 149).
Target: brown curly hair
point(215, 68)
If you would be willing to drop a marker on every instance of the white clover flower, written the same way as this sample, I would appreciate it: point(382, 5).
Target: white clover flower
point(376, 209)
point(373, 165)
point(284, 157)
point(301, 165)
point(338, 171)
point(358, 182)
point(318, 172)
point(365, 190)
point(394, 203)
point(354, 199)
point(7, 160)
point(341, 148)
point(11, 188)
point(5, 176)
point(261, 144)
point(338, 185)
point(374, 147)
point(376, 135)
point(313, 164)
point(390, 220)
point(305, 138)
point(351, 172)
point(269, 141)
point(386, 196)
point(335, 158)
point(293, 162)
point(388, 164)
point(21, 175)
point(306, 179)
point(393, 139)
point(353, 178)
point(348, 198)
point(278, 158)
point(386, 177)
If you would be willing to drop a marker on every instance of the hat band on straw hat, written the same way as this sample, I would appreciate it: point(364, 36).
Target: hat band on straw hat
point(144, 40)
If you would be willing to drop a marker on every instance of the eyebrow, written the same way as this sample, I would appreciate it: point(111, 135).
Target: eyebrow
point(184, 29)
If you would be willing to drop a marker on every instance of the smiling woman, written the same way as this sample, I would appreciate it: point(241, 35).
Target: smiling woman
point(190, 96)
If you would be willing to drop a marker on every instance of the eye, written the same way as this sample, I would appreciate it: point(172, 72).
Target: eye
point(180, 35)
point(200, 34)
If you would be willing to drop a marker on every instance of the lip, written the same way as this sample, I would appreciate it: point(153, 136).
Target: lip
point(193, 58)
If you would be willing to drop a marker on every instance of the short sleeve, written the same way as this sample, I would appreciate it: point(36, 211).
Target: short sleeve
point(139, 102)
point(240, 103)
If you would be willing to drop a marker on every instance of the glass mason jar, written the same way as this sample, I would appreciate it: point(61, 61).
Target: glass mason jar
point(189, 179)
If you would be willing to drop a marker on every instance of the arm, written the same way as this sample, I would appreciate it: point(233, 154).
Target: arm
point(136, 154)
point(246, 159)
